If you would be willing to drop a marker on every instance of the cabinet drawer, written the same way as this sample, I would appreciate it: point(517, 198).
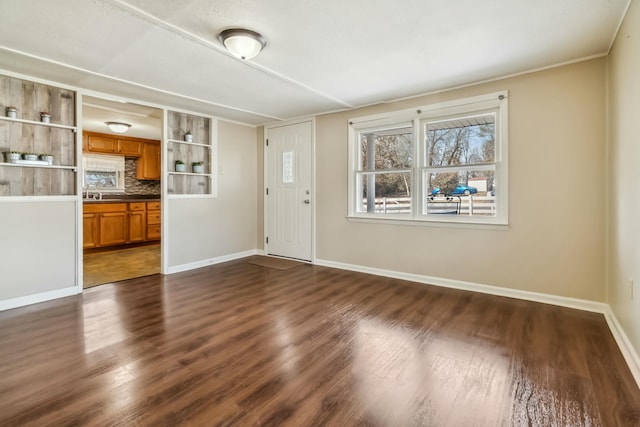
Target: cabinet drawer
point(153, 217)
point(137, 206)
point(153, 206)
point(153, 232)
point(104, 207)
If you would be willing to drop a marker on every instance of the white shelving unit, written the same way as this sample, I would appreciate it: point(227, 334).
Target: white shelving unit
point(189, 183)
point(34, 122)
point(17, 165)
point(26, 134)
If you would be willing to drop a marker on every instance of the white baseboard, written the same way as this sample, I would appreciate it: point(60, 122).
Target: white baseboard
point(211, 261)
point(36, 298)
point(628, 351)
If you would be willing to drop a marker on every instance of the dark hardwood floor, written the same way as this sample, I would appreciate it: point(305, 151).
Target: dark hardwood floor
point(240, 344)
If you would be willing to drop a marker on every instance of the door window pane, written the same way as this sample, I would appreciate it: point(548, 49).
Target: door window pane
point(287, 167)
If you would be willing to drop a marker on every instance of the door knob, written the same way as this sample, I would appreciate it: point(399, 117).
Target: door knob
point(307, 201)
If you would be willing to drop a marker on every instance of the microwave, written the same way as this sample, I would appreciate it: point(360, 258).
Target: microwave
point(102, 173)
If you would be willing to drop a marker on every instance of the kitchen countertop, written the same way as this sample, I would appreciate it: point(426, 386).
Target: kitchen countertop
point(124, 198)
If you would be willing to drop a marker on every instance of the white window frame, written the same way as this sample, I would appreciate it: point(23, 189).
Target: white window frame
point(497, 101)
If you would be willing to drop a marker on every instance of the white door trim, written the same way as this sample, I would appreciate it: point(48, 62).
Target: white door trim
point(265, 217)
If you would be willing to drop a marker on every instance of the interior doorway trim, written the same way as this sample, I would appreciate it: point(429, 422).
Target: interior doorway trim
point(265, 177)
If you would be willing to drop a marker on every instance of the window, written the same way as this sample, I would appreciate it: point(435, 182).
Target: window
point(438, 163)
point(385, 174)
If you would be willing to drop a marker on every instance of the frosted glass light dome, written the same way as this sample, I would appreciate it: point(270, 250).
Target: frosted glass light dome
point(242, 43)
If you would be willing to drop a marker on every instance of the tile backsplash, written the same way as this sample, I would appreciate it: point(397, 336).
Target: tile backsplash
point(135, 186)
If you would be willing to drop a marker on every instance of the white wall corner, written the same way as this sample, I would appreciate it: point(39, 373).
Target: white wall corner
point(628, 352)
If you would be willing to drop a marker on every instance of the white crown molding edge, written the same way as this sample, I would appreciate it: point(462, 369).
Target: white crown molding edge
point(624, 344)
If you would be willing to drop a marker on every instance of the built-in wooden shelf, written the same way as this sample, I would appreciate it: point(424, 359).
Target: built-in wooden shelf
point(34, 122)
point(19, 165)
point(197, 144)
point(190, 173)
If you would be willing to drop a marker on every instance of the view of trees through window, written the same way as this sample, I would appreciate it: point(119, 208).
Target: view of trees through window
point(386, 158)
point(455, 147)
point(433, 163)
point(390, 151)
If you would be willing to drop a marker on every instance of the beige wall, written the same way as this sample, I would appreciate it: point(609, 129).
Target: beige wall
point(624, 176)
point(37, 248)
point(201, 229)
point(555, 242)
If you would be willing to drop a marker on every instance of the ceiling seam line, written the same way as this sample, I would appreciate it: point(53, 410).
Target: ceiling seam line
point(117, 79)
point(175, 29)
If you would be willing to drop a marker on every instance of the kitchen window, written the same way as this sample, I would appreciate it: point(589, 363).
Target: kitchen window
point(444, 163)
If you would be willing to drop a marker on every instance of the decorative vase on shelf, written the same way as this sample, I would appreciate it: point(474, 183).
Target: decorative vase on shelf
point(30, 156)
point(47, 158)
point(12, 112)
point(12, 156)
point(197, 167)
point(180, 167)
point(45, 117)
point(188, 137)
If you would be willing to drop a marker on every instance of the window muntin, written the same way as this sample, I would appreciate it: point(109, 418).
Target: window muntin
point(461, 153)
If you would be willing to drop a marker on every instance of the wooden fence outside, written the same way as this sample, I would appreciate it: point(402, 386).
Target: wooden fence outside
point(453, 205)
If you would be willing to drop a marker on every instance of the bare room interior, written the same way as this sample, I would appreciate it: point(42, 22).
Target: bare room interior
point(319, 213)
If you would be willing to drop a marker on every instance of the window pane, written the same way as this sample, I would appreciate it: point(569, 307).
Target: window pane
point(287, 167)
point(386, 149)
point(461, 141)
point(470, 193)
point(384, 192)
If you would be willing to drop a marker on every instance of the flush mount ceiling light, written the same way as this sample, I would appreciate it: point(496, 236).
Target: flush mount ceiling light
point(245, 44)
point(118, 127)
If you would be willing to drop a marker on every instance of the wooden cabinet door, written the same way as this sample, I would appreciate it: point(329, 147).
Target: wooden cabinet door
point(137, 226)
point(99, 144)
point(153, 232)
point(90, 230)
point(130, 148)
point(149, 164)
point(113, 228)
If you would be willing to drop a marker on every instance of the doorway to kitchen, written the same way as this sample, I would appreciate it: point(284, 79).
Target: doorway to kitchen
point(121, 190)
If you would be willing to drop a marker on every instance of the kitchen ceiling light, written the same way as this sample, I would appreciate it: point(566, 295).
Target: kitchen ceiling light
point(245, 44)
point(118, 127)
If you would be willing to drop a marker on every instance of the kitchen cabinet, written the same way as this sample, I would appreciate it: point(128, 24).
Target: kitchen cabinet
point(148, 167)
point(103, 143)
point(90, 230)
point(113, 228)
point(154, 219)
point(137, 223)
point(118, 223)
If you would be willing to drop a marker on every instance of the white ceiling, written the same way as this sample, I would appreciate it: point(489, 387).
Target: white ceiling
point(321, 55)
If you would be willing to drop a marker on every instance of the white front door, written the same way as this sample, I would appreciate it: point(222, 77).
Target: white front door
point(288, 195)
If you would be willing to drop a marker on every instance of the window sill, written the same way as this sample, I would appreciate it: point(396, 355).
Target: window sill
point(448, 223)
